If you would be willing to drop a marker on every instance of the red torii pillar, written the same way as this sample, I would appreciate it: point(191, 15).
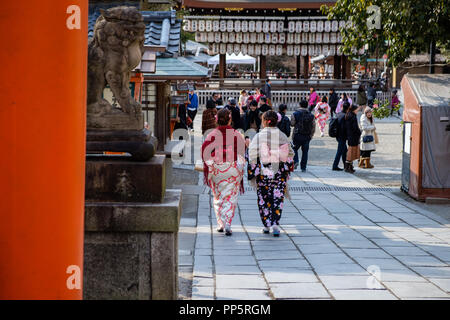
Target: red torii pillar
point(42, 138)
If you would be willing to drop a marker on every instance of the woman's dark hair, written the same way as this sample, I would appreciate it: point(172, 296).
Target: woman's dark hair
point(345, 106)
point(361, 88)
point(349, 112)
point(324, 99)
point(254, 103)
point(223, 117)
point(282, 107)
point(264, 99)
point(345, 96)
point(271, 117)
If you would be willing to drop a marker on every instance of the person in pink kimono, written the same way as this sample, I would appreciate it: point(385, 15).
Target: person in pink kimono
point(313, 99)
point(322, 113)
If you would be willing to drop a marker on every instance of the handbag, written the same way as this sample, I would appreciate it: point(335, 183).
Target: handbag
point(367, 139)
point(199, 165)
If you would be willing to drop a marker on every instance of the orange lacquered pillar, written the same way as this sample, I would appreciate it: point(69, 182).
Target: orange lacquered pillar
point(43, 72)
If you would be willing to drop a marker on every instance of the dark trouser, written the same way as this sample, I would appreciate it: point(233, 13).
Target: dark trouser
point(332, 110)
point(392, 111)
point(341, 152)
point(301, 142)
point(192, 114)
point(311, 108)
point(370, 103)
point(365, 154)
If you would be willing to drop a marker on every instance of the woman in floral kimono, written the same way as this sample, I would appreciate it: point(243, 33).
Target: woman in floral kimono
point(223, 155)
point(322, 113)
point(270, 163)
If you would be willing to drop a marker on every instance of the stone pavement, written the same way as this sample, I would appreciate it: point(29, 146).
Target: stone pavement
point(342, 238)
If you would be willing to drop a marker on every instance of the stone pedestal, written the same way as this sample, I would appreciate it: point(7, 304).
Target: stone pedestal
point(131, 231)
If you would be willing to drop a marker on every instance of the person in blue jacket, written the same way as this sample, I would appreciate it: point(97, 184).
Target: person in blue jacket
point(192, 107)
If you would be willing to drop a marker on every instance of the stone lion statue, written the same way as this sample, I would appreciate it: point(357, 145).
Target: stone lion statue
point(114, 51)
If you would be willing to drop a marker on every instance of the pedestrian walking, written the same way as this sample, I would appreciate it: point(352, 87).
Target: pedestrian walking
point(235, 114)
point(353, 136)
point(223, 155)
point(304, 128)
point(322, 113)
point(333, 101)
point(268, 91)
point(313, 99)
point(263, 105)
point(394, 102)
point(367, 143)
point(371, 94)
point(361, 97)
point(285, 124)
point(344, 98)
point(209, 115)
point(341, 138)
point(181, 120)
point(253, 117)
point(192, 107)
point(269, 166)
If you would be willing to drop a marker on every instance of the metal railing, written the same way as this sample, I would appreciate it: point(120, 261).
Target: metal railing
point(288, 97)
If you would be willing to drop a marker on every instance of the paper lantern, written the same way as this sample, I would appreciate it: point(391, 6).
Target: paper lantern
point(282, 38)
point(230, 48)
point(298, 37)
point(266, 26)
point(325, 49)
point(290, 50)
point(334, 26)
point(201, 25)
point(237, 26)
point(251, 26)
point(203, 37)
point(223, 48)
point(267, 38)
point(264, 49)
point(274, 38)
point(312, 38)
point(194, 25)
point(327, 26)
point(318, 37)
point(230, 25)
point(290, 38)
point(261, 38)
point(237, 48)
point(251, 49)
point(291, 26)
point(231, 37)
point(305, 37)
point(258, 26)
point(311, 49)
point(339, 50)
point(187, 25)
point(244, 49)
point(208, 26)
point(273, 26)
point(298, 26)
point(223, 25)
point(216, 25)
point(299, 50)
point(217, 37)
point(320, 26)
point(225, 37)
point(272, 50)
point(239, 37)
point(210, 37)
point(304, 50)
point(279, 50)
point(244, 26)
point(318, 50)
point(258, 49)
point(342, 24)
point(333, 37)
point(197, 37)
point(339, 38)
point(253, 37)
point(306, 26)
point(326, 37)
point(280, 27)
point(332, 50)
point(246, 37)
point(313, 26)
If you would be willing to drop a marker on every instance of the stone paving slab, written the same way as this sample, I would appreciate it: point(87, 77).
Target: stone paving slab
point(333, 245)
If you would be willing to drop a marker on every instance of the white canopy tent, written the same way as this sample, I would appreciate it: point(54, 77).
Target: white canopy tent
point(234, 59)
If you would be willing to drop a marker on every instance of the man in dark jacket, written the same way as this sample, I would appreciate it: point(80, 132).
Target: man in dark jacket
point(235, 114)
point(341, 138)
point(371, 94)
point(333, 101)
point(268, 91)
point(285, 124)
point(264, 106)
point(304, 127)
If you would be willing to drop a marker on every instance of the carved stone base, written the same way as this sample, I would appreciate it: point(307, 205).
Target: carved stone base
point(139, 143)
point(115, 119)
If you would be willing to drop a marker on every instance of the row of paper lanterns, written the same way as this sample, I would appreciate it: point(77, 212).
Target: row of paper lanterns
point(268, 38)
point(275, 50)
point(293, 26)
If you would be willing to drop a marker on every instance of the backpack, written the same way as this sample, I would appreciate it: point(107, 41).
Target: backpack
point(303, 123)
point(333, 128)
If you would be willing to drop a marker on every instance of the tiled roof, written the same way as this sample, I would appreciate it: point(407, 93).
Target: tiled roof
point(162, 27)
point(178, 68)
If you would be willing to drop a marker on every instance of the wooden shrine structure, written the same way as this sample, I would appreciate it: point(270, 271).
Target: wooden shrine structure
point(268, 28)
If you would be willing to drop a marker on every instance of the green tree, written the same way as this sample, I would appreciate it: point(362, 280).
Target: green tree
point(406, 26)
